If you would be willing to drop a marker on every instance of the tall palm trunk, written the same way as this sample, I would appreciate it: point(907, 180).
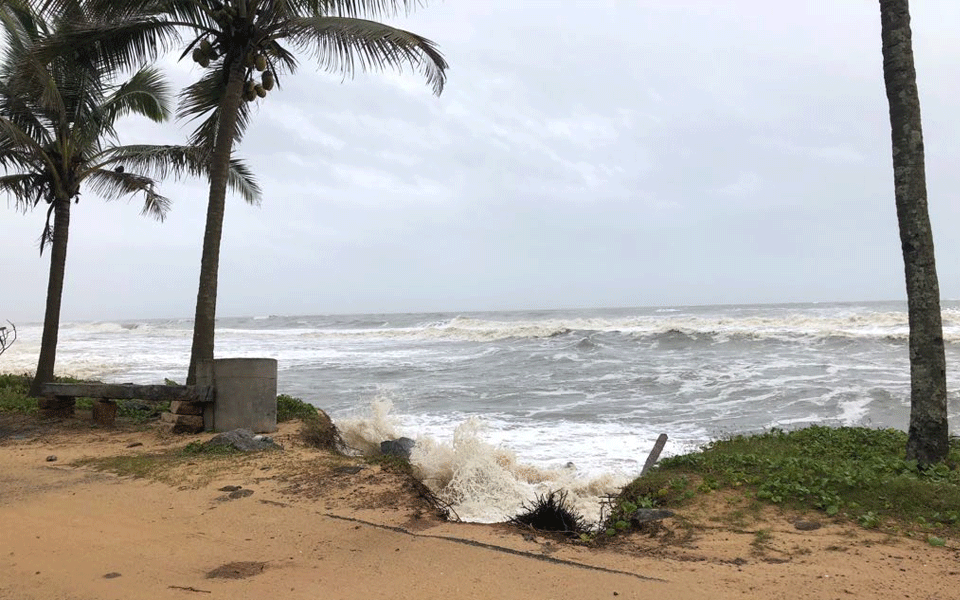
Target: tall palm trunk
point(206, 314)
point(928, 440)
point(51, 318)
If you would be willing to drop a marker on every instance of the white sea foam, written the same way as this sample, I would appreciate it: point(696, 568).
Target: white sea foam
point(365, 432)
point(482, 482)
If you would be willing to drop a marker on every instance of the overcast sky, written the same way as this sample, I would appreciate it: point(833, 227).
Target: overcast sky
point(584, 154)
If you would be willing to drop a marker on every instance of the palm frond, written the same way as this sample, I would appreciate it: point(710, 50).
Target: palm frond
point(343, 44)
point(241, 180)
point(161, 162)
point(18, 147)
point(202, 99)
point(26, 189)
point(111, 185)
point(359, 8)
point(146, 93)
point(158, 162)
point(115, 45)
point(16, 109)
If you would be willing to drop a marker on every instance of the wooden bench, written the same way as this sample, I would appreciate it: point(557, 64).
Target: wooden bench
point(59, 399)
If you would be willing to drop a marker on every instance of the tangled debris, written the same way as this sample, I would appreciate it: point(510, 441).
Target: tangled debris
point(550, 512)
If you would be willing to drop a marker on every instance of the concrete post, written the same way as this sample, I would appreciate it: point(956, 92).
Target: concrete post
point(246, 391)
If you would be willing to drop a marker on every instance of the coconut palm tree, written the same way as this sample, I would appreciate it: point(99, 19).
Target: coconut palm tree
point(57, 133)
point(244, 47)
point(928, 436)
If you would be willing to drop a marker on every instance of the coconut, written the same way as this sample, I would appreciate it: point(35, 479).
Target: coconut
point(196, 55)
point(267, 80)
point(260, 62)
point(260, 91)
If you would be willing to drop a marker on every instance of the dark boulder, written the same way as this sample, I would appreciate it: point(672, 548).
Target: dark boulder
point(243, 440)
point(399, 447)
point(647, 515)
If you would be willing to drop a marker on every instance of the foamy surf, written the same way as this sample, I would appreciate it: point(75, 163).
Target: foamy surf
point(481, 482)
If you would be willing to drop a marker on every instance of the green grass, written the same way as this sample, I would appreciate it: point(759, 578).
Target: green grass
point(852, 473)
point(13, 394)
point(290, 408)
point(168, 466)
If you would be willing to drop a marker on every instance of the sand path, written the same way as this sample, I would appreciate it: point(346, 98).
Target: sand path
point(306, 531)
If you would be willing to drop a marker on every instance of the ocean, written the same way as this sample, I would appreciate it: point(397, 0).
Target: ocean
point(505, 405)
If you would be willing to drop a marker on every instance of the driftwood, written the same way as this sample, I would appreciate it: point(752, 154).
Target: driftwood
point(129, 391)
point(654, 454)
point(5, 340)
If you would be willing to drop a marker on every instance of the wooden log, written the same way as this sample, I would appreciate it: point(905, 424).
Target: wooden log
point(129, 391)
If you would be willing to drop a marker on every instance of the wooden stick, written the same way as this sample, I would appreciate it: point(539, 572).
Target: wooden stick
point(654, 454)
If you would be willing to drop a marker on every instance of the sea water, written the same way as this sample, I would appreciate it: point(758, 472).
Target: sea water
point(506, 405)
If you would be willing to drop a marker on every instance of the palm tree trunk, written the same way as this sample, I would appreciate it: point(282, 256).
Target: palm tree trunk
point(51, 318)
point(928, 440)
point(206, 314)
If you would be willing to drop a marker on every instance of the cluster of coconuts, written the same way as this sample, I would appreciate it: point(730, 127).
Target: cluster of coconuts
point(204, 53)
point(253, 90)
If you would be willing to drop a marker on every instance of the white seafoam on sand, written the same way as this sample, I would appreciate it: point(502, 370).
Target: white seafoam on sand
point(481, 482)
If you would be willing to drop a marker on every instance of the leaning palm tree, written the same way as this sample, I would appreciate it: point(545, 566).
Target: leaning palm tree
point(57, 133)
point(244, 47)
point(928, 439)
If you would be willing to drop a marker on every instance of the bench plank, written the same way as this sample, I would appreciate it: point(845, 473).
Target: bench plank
point(130, 391)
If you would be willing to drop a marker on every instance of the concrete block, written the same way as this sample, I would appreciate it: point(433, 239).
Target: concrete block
point(246, 393)
point(105, 412)
point(178, 407)
point(56, 407)
point(183, 423)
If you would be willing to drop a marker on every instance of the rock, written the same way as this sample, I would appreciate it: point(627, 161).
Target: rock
point(349, 470)
point(51, 458)
point(807, 525)
point(239, 494)
point(113, 575)
point(243, 440)
point(134, 444)
point(646, 515)
point(399, 447)
point(183, 423)
point(230, 488)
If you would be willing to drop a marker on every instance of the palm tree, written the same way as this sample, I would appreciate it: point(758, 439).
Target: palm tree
point(928, 438)
point(244, 46)
point(57, 118)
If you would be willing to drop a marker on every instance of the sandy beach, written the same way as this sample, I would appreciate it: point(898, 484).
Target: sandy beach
point(300, 523)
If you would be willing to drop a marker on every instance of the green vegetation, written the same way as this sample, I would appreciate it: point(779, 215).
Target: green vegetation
point(195, 448)
point(13, 394)
point(14, 397)
point(193, 465)
point(317, 431)
point(851, 473)
point(290, 408)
